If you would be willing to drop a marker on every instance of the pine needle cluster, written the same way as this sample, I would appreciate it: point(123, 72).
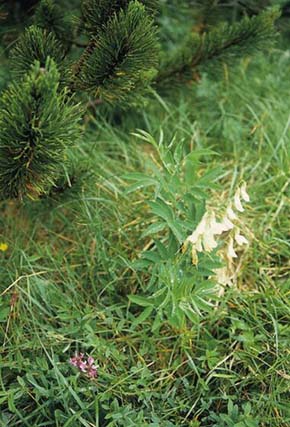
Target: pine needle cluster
point(121, 59)
point(38, 121)
point(224, 43)
point(35, 44)
point(97, 13)
point(120, 64)
point(51, 17)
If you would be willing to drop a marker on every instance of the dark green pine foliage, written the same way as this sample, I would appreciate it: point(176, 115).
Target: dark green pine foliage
point(224, 43)
point(38, 121)
point(120, 62)
point(51, 17)
point(35, 44)
point(96, 13)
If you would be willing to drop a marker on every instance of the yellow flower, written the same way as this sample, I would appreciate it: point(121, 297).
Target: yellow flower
point(3, 247)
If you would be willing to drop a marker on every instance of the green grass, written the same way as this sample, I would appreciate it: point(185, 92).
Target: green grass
point(67, 274)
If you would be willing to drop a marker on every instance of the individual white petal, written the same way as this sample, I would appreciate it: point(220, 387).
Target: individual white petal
point(216, 227)
point(237, 201)
point(244, 193)
point(198, 245)
point(222, 276)
point(227, 224)
point(208, 241)
point(241, 240)
point(231, 252)
point(231, 214)
point(193, 237)
point(201, 227)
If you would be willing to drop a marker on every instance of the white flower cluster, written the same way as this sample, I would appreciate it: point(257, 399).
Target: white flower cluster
point(203, 237)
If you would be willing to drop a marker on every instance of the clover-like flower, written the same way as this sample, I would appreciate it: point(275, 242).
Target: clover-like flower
point(86, 366)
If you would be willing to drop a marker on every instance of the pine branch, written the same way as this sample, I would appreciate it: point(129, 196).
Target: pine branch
point(49, 16)
point(38, 121)
point(35, 44)
point(225, 43)
point(97, 13)
point(120, 62)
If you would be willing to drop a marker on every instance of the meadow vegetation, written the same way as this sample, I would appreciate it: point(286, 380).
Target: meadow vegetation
point(98, 265)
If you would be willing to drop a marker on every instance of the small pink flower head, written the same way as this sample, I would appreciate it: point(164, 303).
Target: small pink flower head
point(92, 369)
point(86, 366)
point(91, 360)
point(77, 360)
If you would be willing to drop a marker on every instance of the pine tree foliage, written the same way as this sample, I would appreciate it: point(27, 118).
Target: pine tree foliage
point(119, 64)
point(121, 60)
point(225, 42)
point(35, 44)
point(38, 121)
point(97, 13)
point(50, 17)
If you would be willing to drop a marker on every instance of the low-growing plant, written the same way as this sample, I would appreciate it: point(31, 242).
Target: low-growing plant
point(181, 287)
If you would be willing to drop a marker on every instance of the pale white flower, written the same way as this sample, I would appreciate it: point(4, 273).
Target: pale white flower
point(200, 229)
point(244, 193)
point(208, 241)
point(198, 245)
point(193, 237)
point(222, 276)
point(237, 201)
point(241, 240)
point(231, 252)
point(203, 238)
point(230, 213)
point(216, 227)
point(227, 224)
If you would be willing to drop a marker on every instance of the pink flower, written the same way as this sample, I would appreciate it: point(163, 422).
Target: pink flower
point(86, 366)
point(92, 369)
point(77, 360)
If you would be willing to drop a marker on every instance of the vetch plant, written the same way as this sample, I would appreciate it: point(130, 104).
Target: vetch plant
point(179, 288)
point(175, 290)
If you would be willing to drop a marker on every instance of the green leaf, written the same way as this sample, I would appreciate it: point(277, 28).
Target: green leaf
point(153, 229)
point(4, 313)
point(143, 316)
point(209, 177)
point(142, 301)
point(162, 210)
point(141, 181)
point(151, 256)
